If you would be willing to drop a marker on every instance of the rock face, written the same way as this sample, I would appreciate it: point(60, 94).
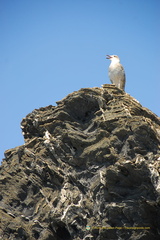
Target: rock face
point(89, 170)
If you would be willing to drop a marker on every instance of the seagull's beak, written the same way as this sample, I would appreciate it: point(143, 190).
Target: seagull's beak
point(108, 57)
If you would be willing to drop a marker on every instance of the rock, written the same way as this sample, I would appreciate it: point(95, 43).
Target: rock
point(89, 169)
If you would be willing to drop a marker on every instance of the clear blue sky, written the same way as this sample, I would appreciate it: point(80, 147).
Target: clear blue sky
point(50, 48)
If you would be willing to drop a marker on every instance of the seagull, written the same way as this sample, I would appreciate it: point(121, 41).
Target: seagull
point(116, 72)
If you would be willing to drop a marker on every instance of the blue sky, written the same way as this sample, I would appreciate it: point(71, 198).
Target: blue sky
point(50, 48)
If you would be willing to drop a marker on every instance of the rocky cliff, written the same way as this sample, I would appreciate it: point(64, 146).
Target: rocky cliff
point(89, 170)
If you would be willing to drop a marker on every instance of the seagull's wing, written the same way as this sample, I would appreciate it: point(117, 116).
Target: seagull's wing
point(122, 77)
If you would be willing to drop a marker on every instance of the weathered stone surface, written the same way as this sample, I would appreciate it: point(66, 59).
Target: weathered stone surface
point(89, 169)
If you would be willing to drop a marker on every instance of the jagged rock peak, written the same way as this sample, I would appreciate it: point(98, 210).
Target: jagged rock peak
point(89, 169)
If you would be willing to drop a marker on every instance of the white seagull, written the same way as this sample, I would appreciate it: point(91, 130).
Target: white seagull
point(116, 72)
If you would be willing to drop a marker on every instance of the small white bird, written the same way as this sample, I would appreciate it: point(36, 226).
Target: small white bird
point(116, 72)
